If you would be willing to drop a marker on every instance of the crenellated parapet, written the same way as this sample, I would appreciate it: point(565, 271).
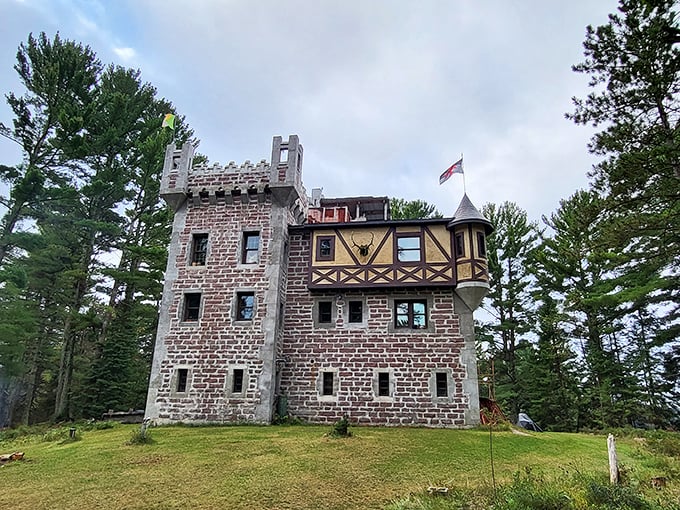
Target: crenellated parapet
point(236, 184)
point(263, 166)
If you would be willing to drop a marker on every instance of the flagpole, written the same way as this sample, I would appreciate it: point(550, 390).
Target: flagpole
point(464, 189)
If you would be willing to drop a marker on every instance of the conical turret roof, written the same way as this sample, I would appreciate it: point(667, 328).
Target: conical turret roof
point(468, 213)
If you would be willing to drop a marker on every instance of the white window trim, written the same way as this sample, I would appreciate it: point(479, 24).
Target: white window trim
point(229, 382)
point(175, 376)
point(336, 385)
point(376, 397)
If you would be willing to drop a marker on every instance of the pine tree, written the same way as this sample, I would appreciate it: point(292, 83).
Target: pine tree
point(633, 63)
point(412, 209)
point(509, 300)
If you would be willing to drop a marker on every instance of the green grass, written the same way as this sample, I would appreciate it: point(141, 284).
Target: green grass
point(296, 467)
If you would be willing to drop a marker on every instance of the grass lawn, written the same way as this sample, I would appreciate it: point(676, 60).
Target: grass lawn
point(288, 467)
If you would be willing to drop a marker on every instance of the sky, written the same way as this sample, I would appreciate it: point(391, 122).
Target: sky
point(384, 94)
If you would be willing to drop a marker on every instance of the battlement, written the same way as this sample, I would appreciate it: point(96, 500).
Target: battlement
point(181, 180)
point(232, 167)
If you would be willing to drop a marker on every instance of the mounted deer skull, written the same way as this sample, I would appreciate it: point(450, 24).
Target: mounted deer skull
point(363, 248)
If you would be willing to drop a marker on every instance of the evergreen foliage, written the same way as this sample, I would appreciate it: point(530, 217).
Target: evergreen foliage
point(412, 209)
point(508, 251)
point(86, 194)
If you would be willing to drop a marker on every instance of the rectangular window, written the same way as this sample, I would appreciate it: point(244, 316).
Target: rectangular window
point(245, 306)
point(251, 248)
point(237, 381)
point(383, 384)
point(327, 388)
point(410, 314)
point(356, 311)
point(325, 312)
point(460, 245)
point(199, 249)
point(408, 249)
point(182, 377)
point(325, 248)
point(481, 244)
point(442, 384)
point(192, 307)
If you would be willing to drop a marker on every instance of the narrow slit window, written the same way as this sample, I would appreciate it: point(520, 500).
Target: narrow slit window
point(251, 248)
point(237, 381)
point(199, 249)
point(182, 378)
point(442, 384)
point(327, 386)
point(481, 244)
point(460, 245)
point(383, 384)
point(245, 306)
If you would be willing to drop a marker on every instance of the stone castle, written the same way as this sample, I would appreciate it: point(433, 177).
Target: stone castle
point(278, 304)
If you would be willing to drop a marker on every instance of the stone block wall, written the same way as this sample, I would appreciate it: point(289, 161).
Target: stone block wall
point(355, 352)
point(210, 348)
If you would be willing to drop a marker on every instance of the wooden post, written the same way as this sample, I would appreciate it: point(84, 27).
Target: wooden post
point(613, 463)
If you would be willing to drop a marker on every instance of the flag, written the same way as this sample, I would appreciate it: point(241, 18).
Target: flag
point(168, 121)
point(456, 168)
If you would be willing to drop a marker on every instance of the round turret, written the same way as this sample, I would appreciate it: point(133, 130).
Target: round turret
point(470, 229)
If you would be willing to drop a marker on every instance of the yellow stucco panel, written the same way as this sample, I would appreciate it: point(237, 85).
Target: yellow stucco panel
point(437, 244)
point(464, 271)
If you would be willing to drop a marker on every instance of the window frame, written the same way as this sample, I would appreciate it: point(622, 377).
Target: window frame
point(411, 314)
point(383, 384)
point(350, 311)
point(439, 377)
point(321, 314)
point(327, 383)
point(330, 256)
point(199, 258)
point(481, 244)
point(316, 311)
point(188, 307)
point(245, 250)
point(441, 382)
point(237, 378)
point(380, 384)
point(459, 244)
point(408, 235)
point(181, 379)
point(326, 373)
point(232, 379)
point(238, 308)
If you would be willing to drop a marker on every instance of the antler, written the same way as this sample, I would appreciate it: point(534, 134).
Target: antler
point(363, 248)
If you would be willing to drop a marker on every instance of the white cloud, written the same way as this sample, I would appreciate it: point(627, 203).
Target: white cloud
point(384, 94)
point(125, 54)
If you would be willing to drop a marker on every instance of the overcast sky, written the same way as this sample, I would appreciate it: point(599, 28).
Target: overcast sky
point(384, 94)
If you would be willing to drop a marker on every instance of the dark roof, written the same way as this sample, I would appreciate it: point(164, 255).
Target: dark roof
point(468, 213)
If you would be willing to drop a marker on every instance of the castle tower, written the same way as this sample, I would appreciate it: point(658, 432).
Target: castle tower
point(219, 331)
point(470, 228)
